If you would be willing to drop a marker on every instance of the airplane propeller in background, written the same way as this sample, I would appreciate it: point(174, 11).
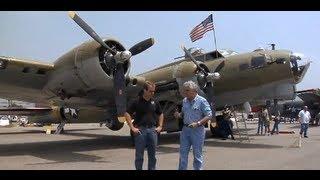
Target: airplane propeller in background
point(120, 57)
point(208, 78)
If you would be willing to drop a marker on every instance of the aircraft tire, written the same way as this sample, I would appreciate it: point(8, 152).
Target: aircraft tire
point(114, 125)
point(213, 130)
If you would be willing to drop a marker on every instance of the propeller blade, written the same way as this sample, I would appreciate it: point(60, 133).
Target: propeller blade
point(119, 90)
point(208, 89)
point(219, 67)
point(141, 46)
point(89, 30)
point(194, 61)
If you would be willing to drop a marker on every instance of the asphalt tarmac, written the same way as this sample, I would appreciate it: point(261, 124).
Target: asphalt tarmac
point(88, 146)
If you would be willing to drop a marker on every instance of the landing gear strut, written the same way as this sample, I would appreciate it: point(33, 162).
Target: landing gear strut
point(114, 125)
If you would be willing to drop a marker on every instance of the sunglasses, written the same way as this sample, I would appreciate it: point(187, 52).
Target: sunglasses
point(150, 91)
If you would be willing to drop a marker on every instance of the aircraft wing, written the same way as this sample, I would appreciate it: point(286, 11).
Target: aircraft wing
point(22, 78)
point(24, 111)
point(309, 95)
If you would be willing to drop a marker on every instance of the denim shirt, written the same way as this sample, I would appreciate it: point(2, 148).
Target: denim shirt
point(195, 110)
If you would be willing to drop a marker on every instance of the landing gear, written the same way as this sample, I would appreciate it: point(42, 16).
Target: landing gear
point(168, 109)
point(213, 129)
point(114, 125)
point(100, 124)
point(60, 128)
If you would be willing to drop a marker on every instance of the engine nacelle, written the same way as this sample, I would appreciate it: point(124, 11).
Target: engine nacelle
point(185, 69)
point(83, 69)
point(54, 116)
point(69, 115)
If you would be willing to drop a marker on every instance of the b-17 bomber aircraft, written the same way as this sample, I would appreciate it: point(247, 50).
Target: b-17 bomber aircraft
point(92, 82)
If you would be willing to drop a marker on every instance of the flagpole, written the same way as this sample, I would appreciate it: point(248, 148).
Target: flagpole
point(214, 36)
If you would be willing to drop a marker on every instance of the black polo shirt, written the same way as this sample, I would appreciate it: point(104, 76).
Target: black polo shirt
point(146, 112)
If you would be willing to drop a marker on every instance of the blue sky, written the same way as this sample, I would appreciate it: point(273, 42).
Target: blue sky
point(44, 36)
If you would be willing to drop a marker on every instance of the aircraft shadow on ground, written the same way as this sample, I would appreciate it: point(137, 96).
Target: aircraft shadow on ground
point(65, 150)
point(242, 145)
point(70, 150)
point(34, 131)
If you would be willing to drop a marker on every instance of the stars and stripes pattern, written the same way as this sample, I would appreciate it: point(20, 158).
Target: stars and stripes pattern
point(205, 26)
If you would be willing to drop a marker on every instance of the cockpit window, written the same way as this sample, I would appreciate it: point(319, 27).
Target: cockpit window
point(200, 58)
point(258, 61)
point(227, 52)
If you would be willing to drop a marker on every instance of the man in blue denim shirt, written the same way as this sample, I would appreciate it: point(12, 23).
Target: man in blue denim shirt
point(196, 112)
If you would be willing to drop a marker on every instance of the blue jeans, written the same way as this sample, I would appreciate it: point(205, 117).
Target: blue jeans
point(304, 129)
point(191, 137)
point(147, 139)
point(275, 127)
point(260, 126)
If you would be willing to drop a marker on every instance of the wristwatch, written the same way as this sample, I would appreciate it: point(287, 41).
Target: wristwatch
point(198, 123)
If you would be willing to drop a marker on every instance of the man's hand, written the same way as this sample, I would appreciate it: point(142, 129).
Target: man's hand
point(135, 130)
point(158, 129)
point(193, 125)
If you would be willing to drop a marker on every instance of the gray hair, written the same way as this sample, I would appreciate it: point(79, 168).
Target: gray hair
point(190, 84)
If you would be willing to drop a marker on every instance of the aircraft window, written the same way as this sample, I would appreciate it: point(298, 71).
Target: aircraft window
point(213, 55)
point(26, 70)
point(3, 64)
point(41, 71)
point(258, 62)
point(200, 58)
point(243, 67)
point(280, 60)
point(210, 56)
point(227, 52)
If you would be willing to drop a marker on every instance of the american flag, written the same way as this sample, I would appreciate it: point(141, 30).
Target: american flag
point(202, 28)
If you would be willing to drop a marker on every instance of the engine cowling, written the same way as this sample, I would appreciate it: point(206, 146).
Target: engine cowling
point(83, 69)
point(54, 116)
point(69, 115)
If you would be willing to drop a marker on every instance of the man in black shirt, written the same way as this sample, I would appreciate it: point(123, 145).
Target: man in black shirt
point(147, 124)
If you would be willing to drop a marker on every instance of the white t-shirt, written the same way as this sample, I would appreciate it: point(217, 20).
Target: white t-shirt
point(304, 116)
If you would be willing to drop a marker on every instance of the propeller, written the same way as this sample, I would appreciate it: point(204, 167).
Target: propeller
point(119, 90)
point(194, 61)
point(141, 46)
point(118, 58)
point(73, 15)
point(208, 78)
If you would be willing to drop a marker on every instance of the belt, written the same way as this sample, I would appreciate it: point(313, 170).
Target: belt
point(147, 126)
point(186, 125)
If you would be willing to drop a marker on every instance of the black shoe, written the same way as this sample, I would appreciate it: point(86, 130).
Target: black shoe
point(306, 136)
point(224, 138)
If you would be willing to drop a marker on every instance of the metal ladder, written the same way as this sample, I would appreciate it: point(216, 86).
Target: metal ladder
point(239, 120)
